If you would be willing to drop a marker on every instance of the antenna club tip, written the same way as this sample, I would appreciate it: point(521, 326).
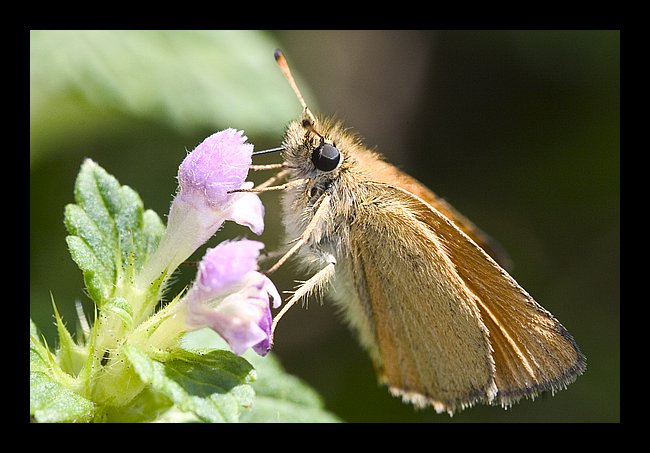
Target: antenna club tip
point(278, 55)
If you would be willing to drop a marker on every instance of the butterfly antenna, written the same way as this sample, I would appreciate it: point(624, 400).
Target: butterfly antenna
point(284, 67)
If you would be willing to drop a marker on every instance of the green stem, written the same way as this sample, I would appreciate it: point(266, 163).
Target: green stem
point(111, 380)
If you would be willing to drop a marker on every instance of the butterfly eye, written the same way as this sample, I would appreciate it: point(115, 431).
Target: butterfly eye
point(326, 157)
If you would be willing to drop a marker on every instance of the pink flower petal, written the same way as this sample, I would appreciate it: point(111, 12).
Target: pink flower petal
point(232, 298)
point(248, 210)
point(226, 265)
point(237, 321)
point(219, 164)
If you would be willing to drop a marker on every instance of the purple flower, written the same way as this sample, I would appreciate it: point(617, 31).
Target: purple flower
point(216, 166)
point(232, 298)
point(219, 164)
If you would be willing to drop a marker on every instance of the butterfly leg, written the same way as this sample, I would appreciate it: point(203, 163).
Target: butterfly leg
point(279, 175)
point(321, 206)
point(315, 283)
point(265, 167)
point(263, 187)
point(318, 280)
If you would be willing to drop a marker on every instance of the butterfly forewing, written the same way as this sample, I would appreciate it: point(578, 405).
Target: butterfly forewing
point(433, 348)
point(389, 174)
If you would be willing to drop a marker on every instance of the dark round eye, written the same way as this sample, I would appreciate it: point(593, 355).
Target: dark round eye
point(326, 157)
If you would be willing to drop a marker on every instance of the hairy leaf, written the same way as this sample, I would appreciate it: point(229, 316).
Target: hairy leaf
point(110, 233)
point(279, 396)
point(213, 386)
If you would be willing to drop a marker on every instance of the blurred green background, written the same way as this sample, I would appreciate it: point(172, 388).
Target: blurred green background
point(519, 130)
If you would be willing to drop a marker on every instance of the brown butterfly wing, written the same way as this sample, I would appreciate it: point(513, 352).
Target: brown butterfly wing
point(487, 243)
point(389, 174)
point(531, 350)
point(429, 343)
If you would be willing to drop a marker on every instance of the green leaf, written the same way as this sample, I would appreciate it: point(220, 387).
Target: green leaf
point(33, 330)
point(40, 358)
point(279, 397)
point(189, 79)
point(70, 356)
point(121, 308)
point(90, 253)
point(175, 415)
point(49, 401)
point(148, 406)
point(213, 386)
point(50, 398)
point(110, 234)
point(128, 221)
point(152, 230)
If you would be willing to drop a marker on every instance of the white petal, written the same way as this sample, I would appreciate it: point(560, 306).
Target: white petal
point(247, 210)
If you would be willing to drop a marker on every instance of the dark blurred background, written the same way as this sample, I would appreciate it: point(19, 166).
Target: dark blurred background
point(519, 130)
